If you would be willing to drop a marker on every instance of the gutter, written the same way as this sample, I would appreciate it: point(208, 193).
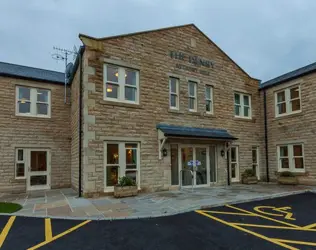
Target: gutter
point(266, 133)
point(80, 121)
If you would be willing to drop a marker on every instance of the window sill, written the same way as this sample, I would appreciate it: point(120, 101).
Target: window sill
point(245, 119)
point(175, 111)
point(288, 115)
point(33, 116)
point(121, 104)
point(195, 113)
point(208, 114)
point(295, 172)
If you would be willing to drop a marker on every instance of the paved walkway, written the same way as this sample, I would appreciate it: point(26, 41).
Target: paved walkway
point(64, 203)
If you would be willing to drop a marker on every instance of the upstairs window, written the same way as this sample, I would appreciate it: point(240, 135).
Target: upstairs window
point(242, 105)
point(33, 102)
point(174, 92)
point(121, 84)
point(192, 96)
point(291, 158)
point(288, 101)
point(209, 99)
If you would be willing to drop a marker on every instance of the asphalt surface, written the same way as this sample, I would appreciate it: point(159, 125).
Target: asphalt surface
point(283, 223)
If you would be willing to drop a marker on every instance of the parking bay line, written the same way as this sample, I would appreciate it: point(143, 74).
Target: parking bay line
point(48, 229)
point(296, 242)
point(273, 227)
point(265, 217)
point(247, 231)
point(230, 213)
point(58, 235)
point(6, 230)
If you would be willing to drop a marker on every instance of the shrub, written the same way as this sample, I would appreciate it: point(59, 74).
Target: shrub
point(126, 181)
point(248, 173)
point(287, 174)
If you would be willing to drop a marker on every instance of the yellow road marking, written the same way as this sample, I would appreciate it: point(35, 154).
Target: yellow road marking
point(271, 226)
point(247, 231)
point(231, 213)
point(265, 217)
point(6, 230)
point(59, 235)
point(310, 226)
point(296, 242)
point(48, 229)
point(287, 215)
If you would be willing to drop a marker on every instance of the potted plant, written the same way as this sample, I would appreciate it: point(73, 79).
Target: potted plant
point(287, 178)
point(125, 187)
point(249, 177)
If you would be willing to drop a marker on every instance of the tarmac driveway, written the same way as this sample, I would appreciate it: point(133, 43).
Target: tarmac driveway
point(281, 223)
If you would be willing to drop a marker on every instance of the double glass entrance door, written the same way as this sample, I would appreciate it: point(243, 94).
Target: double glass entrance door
point(194, 165)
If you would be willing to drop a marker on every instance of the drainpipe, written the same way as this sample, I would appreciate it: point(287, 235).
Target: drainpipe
point(266, 133)
point(80, 121)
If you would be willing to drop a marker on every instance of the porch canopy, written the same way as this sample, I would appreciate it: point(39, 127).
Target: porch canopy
point(171, 131)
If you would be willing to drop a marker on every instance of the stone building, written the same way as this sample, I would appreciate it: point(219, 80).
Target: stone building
point(290, 116)
point(165, 107)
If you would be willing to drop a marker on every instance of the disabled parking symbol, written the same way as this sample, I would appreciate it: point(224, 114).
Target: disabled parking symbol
point(281, 211)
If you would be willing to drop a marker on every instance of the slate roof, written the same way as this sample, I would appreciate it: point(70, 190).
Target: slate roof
point(25, 72)
point(289, 76)
point(172, 130)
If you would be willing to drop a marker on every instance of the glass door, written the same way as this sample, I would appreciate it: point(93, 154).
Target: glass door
point(255, 161)
point(194, 158)
point(234, 164)
point(39, 170)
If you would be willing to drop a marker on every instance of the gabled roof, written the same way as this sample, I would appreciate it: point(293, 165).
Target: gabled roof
point(211, 133)
point(25, 72)
point(289, 76)
point(162, 29)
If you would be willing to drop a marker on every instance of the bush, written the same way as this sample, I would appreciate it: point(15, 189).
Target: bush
point(126, 181)
point(287, 174)
point(248, 173)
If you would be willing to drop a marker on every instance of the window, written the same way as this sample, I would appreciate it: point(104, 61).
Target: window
point(255, 161)
point(174, 92)
point(242, 105)
point(291, 158)
point(121, 84)
point(288, 101)
point(121, 159)
point(32, 102)
point(192, 96)
point(209, 99)
point(20, 163)
point(234, 163)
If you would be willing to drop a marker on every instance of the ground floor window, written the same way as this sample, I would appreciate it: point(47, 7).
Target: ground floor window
point(291, 157)
point(121, 159)
point(255, 160)
point(34, 166)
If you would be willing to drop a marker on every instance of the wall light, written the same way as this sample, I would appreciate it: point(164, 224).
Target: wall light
point(222, 153)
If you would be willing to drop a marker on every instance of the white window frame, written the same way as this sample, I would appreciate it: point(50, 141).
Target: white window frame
point(174, 93)
point(192, 96)
point(121, 162)
point(121, 84)
point(210, 99)
point(288, 100)
point(236, 179)
point(257, 164)
point(20, 162)
point(242, 105)
point(291, 158)
point(33, 101)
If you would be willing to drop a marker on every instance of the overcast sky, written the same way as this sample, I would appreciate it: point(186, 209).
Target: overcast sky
point(266, 38)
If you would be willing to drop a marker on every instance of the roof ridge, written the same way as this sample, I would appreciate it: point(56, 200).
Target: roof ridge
point(32, 67)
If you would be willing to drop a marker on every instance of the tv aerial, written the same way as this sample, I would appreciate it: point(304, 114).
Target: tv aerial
point(63, 55)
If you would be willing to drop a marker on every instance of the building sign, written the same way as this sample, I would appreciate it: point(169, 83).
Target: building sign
point(194, 60)
point(192, 163)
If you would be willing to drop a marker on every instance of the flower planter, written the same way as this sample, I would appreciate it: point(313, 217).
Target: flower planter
point(125, 191)
point(250, 180)
point(287, 180)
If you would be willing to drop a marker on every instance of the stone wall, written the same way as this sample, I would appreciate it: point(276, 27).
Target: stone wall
point(33, 132)
point(149, 52)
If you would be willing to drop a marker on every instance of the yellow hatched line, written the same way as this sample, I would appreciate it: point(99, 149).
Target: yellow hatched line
point(6, 230)
point(247, 231)
point(59, 235)
point(296, 242)
point(310, 226)
point(230, 213)
point(48, 229)
point(265, 217)
point(275, 227)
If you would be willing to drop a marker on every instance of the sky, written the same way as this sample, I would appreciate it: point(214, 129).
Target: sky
point(266, 38)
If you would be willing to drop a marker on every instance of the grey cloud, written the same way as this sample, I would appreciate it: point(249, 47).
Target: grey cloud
point(266, 38)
